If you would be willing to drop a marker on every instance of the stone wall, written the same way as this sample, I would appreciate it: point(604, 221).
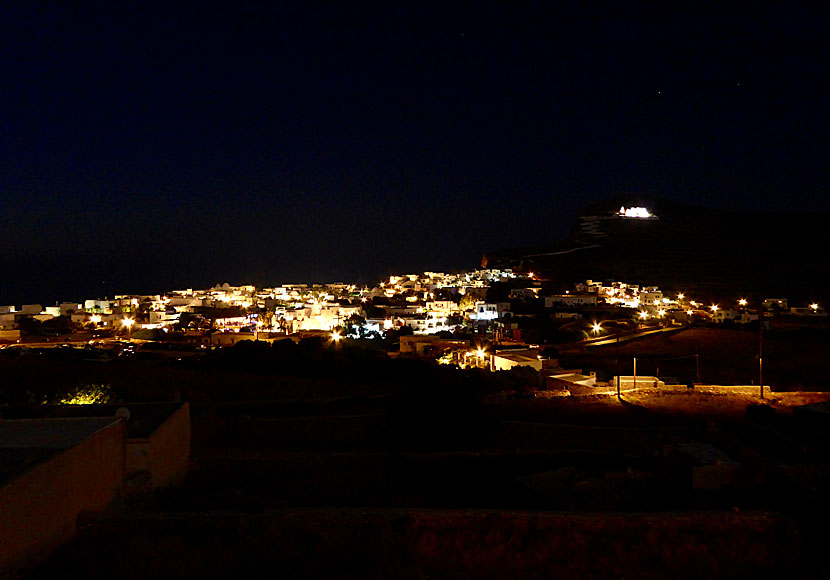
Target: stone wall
point(39, 509)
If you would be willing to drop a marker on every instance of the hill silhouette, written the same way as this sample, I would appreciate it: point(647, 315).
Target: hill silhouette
point(708, 252)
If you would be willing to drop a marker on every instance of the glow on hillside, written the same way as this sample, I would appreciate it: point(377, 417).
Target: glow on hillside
point(635, 212)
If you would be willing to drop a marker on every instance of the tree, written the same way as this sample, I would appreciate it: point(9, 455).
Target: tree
point(29, 326)
point(149, 334)
point(498, 292)
point(375, 312)
point(143, 312)
point(467, 302)
point(541, 328)
point(59, 324)
point(355, 326)
point(185, 320)
point(455, 320)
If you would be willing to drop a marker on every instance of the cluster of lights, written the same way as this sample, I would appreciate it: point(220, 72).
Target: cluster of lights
point(742, 302)
point(634, 212)
point(658, 307)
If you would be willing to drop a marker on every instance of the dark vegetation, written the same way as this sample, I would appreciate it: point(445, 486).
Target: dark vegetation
point(412, 543)
point(312, 368)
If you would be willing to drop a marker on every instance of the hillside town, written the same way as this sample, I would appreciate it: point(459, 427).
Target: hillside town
point(486, 301)
point(427, 303)
point(487, 318)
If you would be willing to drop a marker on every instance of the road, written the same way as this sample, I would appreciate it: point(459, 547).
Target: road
point(612, 339)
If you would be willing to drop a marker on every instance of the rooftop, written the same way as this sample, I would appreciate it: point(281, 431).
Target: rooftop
point(50, 433)
point(25, 443)
point(517, 355)
point(145, 418)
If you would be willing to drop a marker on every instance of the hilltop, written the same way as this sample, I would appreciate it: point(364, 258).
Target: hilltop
point(706, 251)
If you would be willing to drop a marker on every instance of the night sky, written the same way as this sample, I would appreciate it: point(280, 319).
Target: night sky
point(147, 147)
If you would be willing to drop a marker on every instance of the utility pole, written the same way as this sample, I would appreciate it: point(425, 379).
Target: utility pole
point(697, 367)
point(761, 348)
point(635, 373)
point(618, 364)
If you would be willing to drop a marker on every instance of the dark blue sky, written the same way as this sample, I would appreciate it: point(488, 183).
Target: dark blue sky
point(147, 146)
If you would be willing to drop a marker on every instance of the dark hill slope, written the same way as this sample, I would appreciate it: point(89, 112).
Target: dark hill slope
point(709, 252)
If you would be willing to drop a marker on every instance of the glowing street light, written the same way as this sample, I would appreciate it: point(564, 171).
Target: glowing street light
point(714, 308)
point(95, 319)
point(128, 324)
point(336, 336)
point(643, 315)
point(742, 302)
point(690, 312)
point(680, 296)
point(814, 307)
point(693, 303)
point(661, 313)
point(596, 327)
point(480, 353)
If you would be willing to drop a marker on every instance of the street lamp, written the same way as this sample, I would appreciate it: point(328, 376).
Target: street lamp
point(596, 327)
point(643, 315)
point(742, 302)
point(814, 307)
point(714, 308)
point(480, 354)
point(128, 324)
point(95, 319)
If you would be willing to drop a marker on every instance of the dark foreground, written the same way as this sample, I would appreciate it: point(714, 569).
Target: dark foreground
point(412, 484)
